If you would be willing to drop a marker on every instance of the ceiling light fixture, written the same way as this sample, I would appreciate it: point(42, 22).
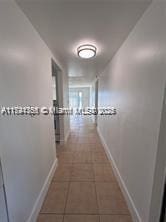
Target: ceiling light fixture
point(86, 51)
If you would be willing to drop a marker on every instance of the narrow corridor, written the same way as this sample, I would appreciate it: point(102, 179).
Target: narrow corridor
point(84, 188)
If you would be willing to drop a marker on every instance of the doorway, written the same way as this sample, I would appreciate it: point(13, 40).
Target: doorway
point(3, 201)
point(163, 209)
point(55, 86)
point(96, 98)
point(79, 97)
point(158, 203)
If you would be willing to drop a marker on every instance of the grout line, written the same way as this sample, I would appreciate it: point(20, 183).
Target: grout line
point(83, 181)
point(67, 195)
point(63, 217)
point(96, 191)
point(64, 213)
point(113, 214)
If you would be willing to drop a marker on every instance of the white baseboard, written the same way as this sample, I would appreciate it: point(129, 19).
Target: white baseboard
point(134, 213)
point(42, 194)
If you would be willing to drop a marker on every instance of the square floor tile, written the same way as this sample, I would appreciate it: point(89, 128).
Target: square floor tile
point(82, 172)
point(66, 157)
point(94, 140)
point(104, 173)
point(82, 198)
point(97, 149)
point(81, 218)
point(82, 157)
point(50, 218)
point(72, 140)
point(56, 198)
point(63, 173)
point(84, 139)
point(115, 218)
point(110, 199)
point(69, 147)
point(84, 147)
point(99, 157)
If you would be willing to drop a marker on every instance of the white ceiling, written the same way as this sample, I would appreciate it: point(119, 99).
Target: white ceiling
point(64, 25)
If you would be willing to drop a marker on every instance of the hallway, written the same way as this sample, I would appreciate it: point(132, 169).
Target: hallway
point(84, 188)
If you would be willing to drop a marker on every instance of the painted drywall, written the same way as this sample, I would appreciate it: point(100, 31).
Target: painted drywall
point(27, 144)
point(133, 82)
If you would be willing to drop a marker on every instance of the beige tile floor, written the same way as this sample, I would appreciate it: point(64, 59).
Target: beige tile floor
point(84, 188)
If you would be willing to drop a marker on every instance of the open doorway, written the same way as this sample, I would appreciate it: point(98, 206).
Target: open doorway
point(56, 99)
point(79, 97)
point(96, 98)
point(79, 100)
point(158, 201)
point(163, 209)
point(57, 86)
point(4, 217)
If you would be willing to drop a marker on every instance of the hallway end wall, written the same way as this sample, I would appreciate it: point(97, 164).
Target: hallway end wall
point(133, 83)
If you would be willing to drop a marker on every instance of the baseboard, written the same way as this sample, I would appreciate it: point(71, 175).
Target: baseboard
point(42, 194)
point(134, 213)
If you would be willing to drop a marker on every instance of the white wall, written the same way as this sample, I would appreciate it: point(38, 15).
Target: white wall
point(27, 146)
point(134, 82)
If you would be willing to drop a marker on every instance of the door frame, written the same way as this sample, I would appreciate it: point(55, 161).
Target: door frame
point(96, 98)
point(160, 170)
point(57, 72)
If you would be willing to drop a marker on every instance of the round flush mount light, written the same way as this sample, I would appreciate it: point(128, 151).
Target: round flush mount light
point(86, 51)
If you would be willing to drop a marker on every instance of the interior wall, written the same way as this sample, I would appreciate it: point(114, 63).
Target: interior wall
point(27, 144)
point(133, 83)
